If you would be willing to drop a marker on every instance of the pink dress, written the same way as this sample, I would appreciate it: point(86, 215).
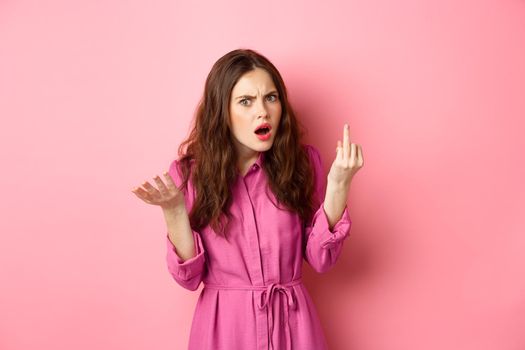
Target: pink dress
point(253, 296)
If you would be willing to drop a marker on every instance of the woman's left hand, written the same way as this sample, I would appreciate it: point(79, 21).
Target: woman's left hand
point(348, 161)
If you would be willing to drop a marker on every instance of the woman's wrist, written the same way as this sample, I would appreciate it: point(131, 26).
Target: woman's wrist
point(174, 211)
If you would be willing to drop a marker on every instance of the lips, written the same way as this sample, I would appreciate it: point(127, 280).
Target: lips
point(266, 126)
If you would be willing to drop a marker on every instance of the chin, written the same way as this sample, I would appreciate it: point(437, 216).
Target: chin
point(266, 146)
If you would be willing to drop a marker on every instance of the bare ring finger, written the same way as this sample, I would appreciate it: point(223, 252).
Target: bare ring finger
point(151, 189)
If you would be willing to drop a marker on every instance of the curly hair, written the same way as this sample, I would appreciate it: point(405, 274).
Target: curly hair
point(210, 147)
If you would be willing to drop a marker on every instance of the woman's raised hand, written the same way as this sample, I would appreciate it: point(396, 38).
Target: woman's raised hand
point(348, 161)
point(166, 196)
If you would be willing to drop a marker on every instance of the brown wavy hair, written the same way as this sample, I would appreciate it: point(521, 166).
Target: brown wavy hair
point(210, 146)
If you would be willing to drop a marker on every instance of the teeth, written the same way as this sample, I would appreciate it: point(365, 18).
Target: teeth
point(262, 131)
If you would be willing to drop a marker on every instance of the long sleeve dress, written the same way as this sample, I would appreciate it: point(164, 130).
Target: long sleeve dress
point(253, 295)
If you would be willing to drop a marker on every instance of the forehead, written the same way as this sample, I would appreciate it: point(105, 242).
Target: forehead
point(253, 81)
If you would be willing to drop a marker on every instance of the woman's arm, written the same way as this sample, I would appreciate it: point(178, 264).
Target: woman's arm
point(331, 223)
point(324, 240)
point(185, 250)
point(348, 161)
point(179, 231)
point(335, 202)
point(185, 253)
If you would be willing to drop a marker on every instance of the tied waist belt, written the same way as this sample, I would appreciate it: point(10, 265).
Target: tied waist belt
point(267, 301)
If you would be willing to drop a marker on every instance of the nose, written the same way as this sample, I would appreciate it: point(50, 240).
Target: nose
point(261, 110)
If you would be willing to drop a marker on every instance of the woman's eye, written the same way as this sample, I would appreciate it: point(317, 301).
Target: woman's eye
point(272, 98)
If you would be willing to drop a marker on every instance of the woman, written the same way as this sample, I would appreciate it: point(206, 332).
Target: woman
point(257, 206)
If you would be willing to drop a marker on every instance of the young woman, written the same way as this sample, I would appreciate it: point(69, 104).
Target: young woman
point(244, 204)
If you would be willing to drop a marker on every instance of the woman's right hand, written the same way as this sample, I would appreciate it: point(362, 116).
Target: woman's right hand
point(167, 197)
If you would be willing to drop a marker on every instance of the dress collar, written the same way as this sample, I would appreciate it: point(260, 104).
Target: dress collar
point(258, 164)
point(260, 159)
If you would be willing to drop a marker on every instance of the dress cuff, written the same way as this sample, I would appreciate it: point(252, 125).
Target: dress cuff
point(341, 230)
point(186, 269)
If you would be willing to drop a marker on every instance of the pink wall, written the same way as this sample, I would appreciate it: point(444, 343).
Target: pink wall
point(95, 96)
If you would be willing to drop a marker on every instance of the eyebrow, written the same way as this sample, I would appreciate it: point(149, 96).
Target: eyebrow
point(248, 96)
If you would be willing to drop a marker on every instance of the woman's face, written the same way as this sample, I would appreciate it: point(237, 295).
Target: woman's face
point(254, 101)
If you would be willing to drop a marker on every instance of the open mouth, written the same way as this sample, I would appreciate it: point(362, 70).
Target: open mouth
point(262, 131)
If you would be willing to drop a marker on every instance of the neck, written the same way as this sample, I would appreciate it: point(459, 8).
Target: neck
point(245, 161)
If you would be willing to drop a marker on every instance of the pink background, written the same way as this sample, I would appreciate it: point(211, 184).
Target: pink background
point(96, 96)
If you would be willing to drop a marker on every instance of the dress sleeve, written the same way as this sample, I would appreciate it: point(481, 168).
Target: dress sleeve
point(188, 273)
point(323, 246)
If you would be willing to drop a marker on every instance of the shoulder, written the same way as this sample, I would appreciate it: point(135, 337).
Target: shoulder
point(313, 154)
point(176, 171)
point(177, 174)
point(317, 169)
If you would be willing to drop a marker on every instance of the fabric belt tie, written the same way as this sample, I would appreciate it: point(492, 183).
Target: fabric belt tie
point(267, 301)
